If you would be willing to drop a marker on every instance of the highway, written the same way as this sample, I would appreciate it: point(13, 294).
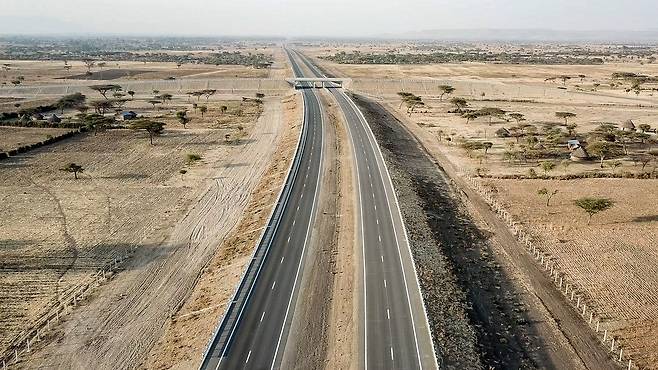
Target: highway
point(395, 332)
point(253, 333)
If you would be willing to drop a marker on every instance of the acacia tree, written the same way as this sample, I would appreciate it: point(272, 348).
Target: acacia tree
point(491, 112)
point(445, 90)
point(470, 116)
point(223, 109)
point(603, 150)
point(548, 194)
point(152, 127)
point(403, 97)
point(102, 106)
point(486, 146)
point(593, 205)
point(518, 117)
point(182, 118)
point(73, 168)
point(132, 94)
point(203, 109)
point(104, 89)
point(459, 103)
point(565, 116)
point(208, 93)
point(165, 98)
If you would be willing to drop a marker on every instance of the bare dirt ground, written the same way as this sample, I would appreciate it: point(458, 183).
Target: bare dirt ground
point(482, 310)
point(14, 137)
point(131, 201)
point(342, 346)
point(614, 260)
point(53, 72)
point(191, 327)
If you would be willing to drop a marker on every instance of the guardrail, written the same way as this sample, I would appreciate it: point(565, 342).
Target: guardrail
point(224, 331)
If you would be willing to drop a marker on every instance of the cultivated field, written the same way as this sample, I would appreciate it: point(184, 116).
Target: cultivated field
point(14, 137)
point(58, 231)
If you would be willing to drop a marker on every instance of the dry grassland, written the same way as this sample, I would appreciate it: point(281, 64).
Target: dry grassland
point(613, 260)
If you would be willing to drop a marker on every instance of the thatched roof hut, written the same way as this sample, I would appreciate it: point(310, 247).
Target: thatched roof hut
point(579, 154)
point(628, 125)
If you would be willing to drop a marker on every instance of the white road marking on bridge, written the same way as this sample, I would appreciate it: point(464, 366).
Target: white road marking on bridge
point(248, 355)
point(273, 285)
point(377, 221)
point(382, 259)
point(262, 316)
point(392, 357)
point(388, 314)
point(384, 283)
point(288, 239)
point(379, 236)
point(282, 259)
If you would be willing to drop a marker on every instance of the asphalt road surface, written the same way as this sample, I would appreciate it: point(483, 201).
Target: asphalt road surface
point(257, 329)
point(395, 332)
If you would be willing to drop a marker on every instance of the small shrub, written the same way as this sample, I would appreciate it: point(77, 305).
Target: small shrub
point(192, 157)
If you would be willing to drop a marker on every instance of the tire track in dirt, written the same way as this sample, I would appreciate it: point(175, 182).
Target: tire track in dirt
point(118, 327)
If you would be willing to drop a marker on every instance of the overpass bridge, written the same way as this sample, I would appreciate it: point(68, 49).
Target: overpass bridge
point(301, 82)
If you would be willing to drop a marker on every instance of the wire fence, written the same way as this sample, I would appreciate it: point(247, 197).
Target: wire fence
point(24, 342)
point(577, 299)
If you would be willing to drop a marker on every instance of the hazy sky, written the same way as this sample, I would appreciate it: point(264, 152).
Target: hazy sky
point(313, 17)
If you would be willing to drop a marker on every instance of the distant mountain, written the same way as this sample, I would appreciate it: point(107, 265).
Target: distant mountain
point(536, 35)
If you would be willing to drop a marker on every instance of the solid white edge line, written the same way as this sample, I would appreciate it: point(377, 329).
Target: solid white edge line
point(406, 237)
point(253, 255)
point(363, 244)
point(308, 231)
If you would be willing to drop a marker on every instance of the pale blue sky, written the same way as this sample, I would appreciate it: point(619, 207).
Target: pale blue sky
point(312, 17)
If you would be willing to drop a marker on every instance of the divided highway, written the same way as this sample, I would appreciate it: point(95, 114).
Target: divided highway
point(255, 328)
point(395, 332)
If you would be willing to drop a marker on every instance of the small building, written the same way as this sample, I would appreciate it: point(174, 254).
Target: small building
point(573, 144)
point(579, 154)
point(54, 119)
point(628, 125)
point(127, 116)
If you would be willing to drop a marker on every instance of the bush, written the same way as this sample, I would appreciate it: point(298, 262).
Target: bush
point(191, 158)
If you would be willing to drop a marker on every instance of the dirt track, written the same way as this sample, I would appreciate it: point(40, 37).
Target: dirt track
point(480, 310)
point(121, 323)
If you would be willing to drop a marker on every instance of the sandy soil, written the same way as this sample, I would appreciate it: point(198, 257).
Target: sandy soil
point(13, 137)
point(190, 329)
point(131, 201)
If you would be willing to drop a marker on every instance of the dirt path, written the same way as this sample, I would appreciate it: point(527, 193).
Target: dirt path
point(118, 327)
point(545, 329)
